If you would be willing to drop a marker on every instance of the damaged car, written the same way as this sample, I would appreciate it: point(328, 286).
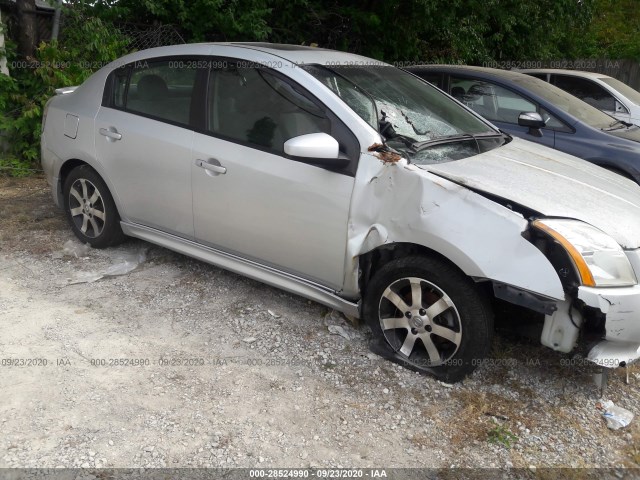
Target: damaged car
point(354, 184)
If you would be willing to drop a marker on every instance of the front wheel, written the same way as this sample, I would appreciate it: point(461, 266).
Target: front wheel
point(430, 315)
point(90, 209)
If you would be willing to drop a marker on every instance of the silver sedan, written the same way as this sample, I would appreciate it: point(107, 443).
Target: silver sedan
point(357, 185)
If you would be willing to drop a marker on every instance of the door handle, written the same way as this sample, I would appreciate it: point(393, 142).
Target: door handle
point(110, 133)
point(211, 165)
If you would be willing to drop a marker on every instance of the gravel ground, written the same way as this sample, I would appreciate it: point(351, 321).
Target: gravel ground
point(225, 371)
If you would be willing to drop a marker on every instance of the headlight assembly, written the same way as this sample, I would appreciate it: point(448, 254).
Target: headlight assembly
point(599, 260)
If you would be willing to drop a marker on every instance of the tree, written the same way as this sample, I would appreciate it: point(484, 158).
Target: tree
point(615, 31)
point(201, 20)
point(27, 34)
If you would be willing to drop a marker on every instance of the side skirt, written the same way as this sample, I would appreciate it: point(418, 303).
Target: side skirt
point(244, 267)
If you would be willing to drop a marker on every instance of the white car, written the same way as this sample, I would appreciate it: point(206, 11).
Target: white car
point(601, 91)
point(357, 185)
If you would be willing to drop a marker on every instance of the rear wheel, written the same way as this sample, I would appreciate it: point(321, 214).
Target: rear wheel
point(430, 315)
point(90, 209)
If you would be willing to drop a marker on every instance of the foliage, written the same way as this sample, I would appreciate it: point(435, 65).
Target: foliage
point(470, 31)
point(478, 31)
point(393, 30)
point(502, 435)
point(86, 45)
point(210, 20)
point(615, 31)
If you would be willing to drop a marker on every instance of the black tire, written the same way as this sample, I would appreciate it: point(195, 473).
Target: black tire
point(465, 316)
point(90, 208)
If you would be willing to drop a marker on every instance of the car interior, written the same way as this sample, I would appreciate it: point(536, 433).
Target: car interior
point(256, 107)
point(152, 95)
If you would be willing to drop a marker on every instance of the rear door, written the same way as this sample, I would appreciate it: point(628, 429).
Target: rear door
point(143, 139)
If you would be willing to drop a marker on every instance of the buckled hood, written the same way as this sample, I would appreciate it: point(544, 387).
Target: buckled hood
point(554, 184)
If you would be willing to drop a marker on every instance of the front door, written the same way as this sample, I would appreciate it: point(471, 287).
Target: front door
point(249, 198)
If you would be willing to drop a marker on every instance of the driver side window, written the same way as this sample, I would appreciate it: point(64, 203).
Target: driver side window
point(255, 106)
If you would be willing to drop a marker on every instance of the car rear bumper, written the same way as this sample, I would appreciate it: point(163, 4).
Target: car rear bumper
point(49, 163)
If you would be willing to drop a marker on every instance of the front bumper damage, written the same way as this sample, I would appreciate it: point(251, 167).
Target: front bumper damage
point(621, 306)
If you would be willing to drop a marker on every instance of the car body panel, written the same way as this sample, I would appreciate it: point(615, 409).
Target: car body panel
point(285, 213)
point(395, 203)
point(525, 173)
point(621, 344)
point(151, 167)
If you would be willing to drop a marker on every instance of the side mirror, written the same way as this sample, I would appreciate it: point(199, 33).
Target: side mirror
point(316, 148)
point(534, 121)
point(531, 120)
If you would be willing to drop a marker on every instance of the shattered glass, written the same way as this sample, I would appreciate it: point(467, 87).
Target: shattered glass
point(411, 114)
point(445, 153)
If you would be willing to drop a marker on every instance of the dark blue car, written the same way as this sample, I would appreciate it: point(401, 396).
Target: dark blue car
point(534, 110)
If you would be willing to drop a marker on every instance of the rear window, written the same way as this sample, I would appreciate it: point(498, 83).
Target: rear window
point(162, 90)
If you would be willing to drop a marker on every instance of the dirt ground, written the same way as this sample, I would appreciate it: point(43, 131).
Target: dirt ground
point(181, 364)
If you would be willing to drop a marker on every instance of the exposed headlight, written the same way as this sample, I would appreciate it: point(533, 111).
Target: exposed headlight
point(598, 258)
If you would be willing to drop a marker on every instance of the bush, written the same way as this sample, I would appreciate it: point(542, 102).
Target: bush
point(86, 45)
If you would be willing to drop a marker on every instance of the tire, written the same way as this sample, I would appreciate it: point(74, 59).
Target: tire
point(450, 341)
point(90, 208)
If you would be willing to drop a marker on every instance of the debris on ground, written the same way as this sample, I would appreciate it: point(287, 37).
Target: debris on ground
point(125, 263)
point(338, 330)
point(73, 248)
point(616, 417)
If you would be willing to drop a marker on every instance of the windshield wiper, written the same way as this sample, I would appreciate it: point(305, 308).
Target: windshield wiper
point(453, 138)
point(612, 126)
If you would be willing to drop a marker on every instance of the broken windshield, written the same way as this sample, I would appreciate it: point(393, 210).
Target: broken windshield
point(407, 112)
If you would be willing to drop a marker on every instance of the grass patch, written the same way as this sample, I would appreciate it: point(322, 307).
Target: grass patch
point(500, 434)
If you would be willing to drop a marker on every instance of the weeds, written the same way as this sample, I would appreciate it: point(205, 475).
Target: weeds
point(502, 435)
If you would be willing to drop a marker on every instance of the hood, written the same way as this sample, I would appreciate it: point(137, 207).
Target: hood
point(554, 184)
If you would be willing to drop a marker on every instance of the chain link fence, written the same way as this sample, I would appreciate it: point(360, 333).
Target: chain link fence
point(139, 36)
point(142, 37)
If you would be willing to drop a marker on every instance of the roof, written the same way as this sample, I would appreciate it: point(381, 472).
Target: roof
point(296, 54)
point(484, 71)
point(575, 73)
point(301, 54)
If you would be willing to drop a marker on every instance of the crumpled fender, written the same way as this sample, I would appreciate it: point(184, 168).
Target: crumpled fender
point(400, 202)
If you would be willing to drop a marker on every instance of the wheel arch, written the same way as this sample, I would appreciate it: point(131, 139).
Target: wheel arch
point(371, 261)
point(68, 165)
